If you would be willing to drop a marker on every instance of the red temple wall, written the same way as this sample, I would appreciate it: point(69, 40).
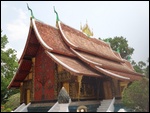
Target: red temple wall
point(44, 77)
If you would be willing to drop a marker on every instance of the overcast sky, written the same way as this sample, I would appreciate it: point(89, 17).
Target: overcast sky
point(105, 18)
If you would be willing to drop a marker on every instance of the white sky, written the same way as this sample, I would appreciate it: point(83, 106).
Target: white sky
point(105, 18)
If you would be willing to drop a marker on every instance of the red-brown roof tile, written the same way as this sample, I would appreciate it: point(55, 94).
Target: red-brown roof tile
point(73, 65)
point(77, 40)
point(104, 63)
point(100, 63)
point(52, 37)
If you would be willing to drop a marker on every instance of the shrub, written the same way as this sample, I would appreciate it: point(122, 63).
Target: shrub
point(13, 102)
point(136, 95)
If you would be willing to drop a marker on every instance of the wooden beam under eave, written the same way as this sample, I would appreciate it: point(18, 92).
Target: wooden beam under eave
point(14, 86)
point(17, 80)
point(23, 72)
point(28, 57)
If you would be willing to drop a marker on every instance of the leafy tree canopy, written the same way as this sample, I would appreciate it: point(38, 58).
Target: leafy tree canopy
point(136, 95)
point(8, 67)
point(141, 67)
point(121, 44)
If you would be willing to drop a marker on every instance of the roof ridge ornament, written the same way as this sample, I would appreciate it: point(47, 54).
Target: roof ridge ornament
point(118, 50)
point(31, 11)
point(129, 58)
point(108, 41)
point(57, 17)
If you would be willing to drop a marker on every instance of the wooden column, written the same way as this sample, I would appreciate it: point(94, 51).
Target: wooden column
point(28, 96)
point(116, 88)
point(21, 93)
point(98, 88)
point(79, 82)
point(123, 85)
point(107, 89)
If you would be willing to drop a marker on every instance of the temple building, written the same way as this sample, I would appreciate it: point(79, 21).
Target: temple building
point(62, 56)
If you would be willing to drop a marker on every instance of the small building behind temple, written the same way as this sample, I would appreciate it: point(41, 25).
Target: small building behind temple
point(62, 56)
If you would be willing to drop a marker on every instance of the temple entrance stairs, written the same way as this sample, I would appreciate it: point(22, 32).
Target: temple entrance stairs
point(106, 106)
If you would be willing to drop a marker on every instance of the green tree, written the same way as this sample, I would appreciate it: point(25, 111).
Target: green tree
point(141, 67)
point(122, 44)
point(138, 67)
point(8, 68)
point(136, 95)
point(147, 69)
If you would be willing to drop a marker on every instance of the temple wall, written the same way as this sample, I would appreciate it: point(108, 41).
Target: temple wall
point(44, 77)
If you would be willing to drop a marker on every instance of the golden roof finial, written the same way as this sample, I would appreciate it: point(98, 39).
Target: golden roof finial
point(80, 26)
point(86, 29)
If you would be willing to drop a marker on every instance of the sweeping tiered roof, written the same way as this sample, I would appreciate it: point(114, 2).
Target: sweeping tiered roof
point(74, 51)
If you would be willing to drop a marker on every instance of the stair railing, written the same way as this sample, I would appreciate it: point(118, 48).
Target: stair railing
point(111, 106)
point(53, 107)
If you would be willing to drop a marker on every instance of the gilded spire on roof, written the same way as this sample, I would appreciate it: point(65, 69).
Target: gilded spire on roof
point(85, 29)
point(30, 10)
